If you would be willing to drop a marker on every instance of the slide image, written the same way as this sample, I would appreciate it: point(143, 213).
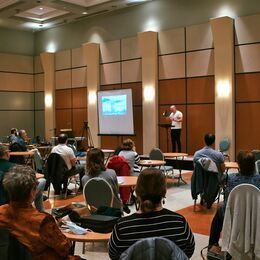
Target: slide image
point(114, 105)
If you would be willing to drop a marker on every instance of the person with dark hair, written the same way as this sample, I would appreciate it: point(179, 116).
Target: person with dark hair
point(209, 152)
point(246, 162)
point(70, 159)
point(35, 230)
point(96, 168)
point(151, 220)
point(131, 156)
point(13, 135)
point(5, 166)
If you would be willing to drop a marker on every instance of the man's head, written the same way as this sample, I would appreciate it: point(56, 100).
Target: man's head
point(20, 183)
point(14, 131)
point(246, 162)
point(22, 133)
point(62, 139)
point(4, 152)
point(173, 108)
point(209, 139)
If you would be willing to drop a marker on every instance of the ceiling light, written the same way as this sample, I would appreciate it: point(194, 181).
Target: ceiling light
point(41, 8)
point(84, 12)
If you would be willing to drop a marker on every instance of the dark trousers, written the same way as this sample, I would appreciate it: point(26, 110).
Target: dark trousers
point(216, 226)
point(78, 169)
point(176, 139)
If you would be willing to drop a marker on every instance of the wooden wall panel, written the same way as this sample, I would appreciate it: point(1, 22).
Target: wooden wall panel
point(16, 82)
point(63, 98)
point(77, 58)
point(63, 79)
point(78, 77)
point(63, 119)
point(130, 48)
point(79, 97)
point(247, 58)
point(247, 87)
point(199, 37)
point(171, 41)
point(247, 126)
point(79, 115)
point(63, 60)
point(246, 29)
point(200, 90)
point(200, 63)
point(172, 66)
point(162, 132)
point(172, 92)
point(138, 129)
point(131, 71)
point(110, 87)
point(111, 142)
point(39, 82)
point(110, 73)
point(110, 51)
point(136, 92)
point(200, 120)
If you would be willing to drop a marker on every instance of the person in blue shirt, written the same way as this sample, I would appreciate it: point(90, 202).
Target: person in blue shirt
point(246, 162)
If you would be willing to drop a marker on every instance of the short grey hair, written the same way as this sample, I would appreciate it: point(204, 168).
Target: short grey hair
point(3, 150)
point(19, 182)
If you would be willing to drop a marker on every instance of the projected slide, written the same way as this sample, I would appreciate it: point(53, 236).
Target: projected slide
point(114, 105)
point(115, 112)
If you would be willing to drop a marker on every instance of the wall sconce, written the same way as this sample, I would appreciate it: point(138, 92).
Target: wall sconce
point(48, 100)
point(92, 97)
point(149, 93)
point(223, 89)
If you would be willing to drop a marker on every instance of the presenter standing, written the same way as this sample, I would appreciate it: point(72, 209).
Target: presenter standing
point(176, 119)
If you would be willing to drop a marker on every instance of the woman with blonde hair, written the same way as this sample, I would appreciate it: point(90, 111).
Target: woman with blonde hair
point(151, 220)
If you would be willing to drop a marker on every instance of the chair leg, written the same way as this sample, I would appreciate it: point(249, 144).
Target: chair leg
point(83, 248)
point(194, 206)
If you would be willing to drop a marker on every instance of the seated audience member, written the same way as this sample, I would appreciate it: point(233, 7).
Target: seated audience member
point(13, 136)
point(69, 157)
point(208, 151)
point(121, 167)
point(131, 156)
point(96, 168)
point(151, 220)
point(19, 145)
point(35, 230)
point(5, 166)
point(246, 162)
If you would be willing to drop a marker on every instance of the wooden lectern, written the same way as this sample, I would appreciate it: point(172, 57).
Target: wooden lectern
point(166, 127)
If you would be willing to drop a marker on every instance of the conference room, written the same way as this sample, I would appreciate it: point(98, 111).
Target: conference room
point(107, 71)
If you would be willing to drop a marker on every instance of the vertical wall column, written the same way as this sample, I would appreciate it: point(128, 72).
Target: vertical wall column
point(91, 55)
point(149, 52)
point(48, 64)
point(223, 37)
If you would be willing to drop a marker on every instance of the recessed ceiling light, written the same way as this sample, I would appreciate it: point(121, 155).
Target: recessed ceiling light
point(41, 8)
point(84, 12)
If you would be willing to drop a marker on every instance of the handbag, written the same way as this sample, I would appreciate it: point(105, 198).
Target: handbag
point(100, 221)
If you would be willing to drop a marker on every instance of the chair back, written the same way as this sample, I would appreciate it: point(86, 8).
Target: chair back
point(156, 154)
point(11, 248)
point(98, 192)
point(38, 162)
point(257, 166)
point(56, 169)
point(256, 154)
point(241, 227)
point(152, 249)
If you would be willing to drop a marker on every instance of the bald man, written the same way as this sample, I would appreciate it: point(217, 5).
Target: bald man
point(176, 119)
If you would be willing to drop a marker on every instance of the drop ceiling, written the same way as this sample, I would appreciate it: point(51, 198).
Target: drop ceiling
point(37, 15)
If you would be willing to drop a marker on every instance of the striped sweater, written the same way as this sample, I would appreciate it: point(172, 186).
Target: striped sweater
point(163, 223)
